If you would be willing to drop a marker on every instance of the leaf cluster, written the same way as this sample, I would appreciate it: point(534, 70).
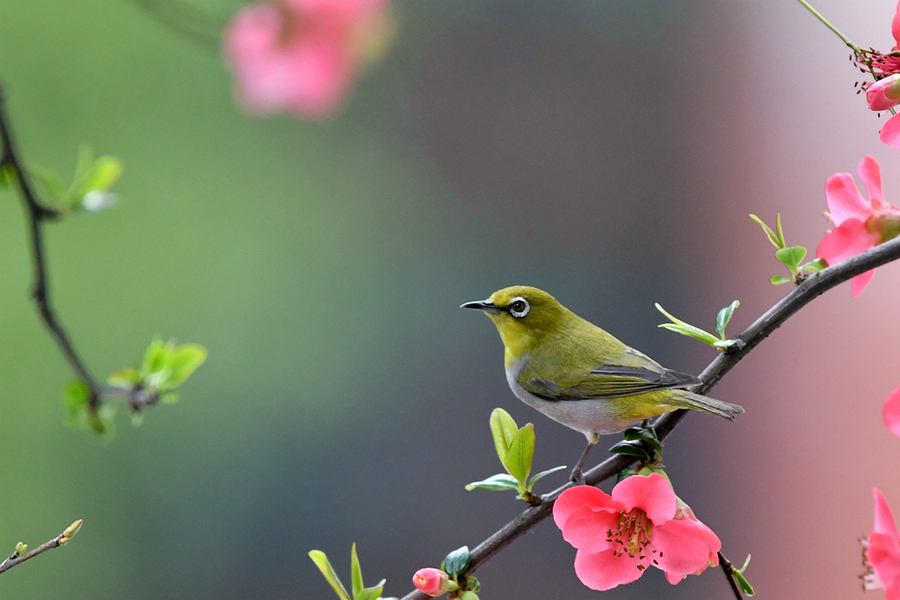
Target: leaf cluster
point(791, 257)
point(515, 448)
point(722, 319)
point(357, 589)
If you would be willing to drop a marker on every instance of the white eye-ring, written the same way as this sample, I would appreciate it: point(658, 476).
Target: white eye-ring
point(519, 307)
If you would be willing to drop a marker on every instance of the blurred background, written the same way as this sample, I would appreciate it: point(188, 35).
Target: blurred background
point(608, 151)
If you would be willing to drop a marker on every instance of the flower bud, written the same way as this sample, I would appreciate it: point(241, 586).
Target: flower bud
point(433, 582)
point(884, 93)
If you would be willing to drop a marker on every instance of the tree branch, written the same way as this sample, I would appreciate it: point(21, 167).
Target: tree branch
point(813, 287)
point(37, 215)
point(18, 557)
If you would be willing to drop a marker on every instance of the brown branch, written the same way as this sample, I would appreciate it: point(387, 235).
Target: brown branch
point(816, 285)
point(18, 557)
point(38, 214)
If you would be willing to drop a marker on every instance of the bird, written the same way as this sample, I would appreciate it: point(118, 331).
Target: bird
point(581, 376)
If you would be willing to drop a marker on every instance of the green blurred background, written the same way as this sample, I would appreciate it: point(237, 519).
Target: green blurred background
point(608, 151)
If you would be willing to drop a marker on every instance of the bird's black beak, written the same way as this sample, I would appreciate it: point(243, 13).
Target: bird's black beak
point(485, 305)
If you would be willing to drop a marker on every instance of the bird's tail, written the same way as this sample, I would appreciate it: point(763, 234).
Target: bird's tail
point(708, 405)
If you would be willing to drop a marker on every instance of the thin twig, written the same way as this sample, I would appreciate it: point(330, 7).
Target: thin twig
point(728, 569)
point(37, 215)
point(813, 287)
point(60, 540)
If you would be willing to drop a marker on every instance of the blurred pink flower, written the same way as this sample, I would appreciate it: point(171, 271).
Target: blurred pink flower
point(301, 56)
point(861, 224)
point(619, 536)
point(891, 412)
point(883, 66)
point(433, 582)
point(882, 552)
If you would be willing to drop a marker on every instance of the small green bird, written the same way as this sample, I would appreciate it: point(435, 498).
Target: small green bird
point(579, 375)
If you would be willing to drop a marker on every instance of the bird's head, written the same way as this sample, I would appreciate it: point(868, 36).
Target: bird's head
point(524, 316)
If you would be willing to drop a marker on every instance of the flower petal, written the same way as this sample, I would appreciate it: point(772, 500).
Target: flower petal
point(575, 497)
point(684, 547)
point(674, 578)
point(884, 519)
point(870, 172)
point(652, 493)
point(604, 570)
point(844, 200)
point(849, 239)
point(891, 412)
point(890, 132)
point(895, 26)
point(587, 529)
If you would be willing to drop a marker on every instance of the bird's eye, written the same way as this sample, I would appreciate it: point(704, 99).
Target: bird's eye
point(519, 307)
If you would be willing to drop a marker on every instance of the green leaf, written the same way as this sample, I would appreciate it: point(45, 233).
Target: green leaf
point(630, 449)
point(156, 357)
point(791, 257)
point(724, 317)
point(183, 361)
point(77, 395)
point(504, 429)
point(772, 236)
point(7, 175)
point(781, 242)
point(169, 398)
point(542, 474)
point(639, 434)
point(495, 483)
point(521, 452)
point(372, 593)
point(331, 577)
point(456, 562)
point(779, 279)
point(356, 579)
point(814, 266)
point(742, 582)
point(679, 326)
point(105, 171)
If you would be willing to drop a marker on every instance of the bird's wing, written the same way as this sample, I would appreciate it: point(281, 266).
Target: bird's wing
point(629, 374)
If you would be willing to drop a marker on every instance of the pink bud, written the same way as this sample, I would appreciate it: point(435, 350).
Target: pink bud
point(884, 93)
point(433, 582)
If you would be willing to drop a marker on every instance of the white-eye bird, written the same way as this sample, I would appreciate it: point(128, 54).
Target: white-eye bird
point(578, 374)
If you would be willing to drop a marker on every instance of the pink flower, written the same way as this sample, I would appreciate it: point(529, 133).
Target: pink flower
point(619, 536)
point(861, 224)
point(884, 94)
point(891, 412)
point(433, 582)
point(883, 66)
point(882, 552)
point(301, 56)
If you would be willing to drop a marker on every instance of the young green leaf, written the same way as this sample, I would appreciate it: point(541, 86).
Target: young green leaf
point(724, 317)
point(779, 279)
point(495, 483)
point(772, 236)
point(542, 474)
point(372, 593)
point(331, 577)
point(814, 266)
point(781, 242)
point(631, 449)
point(504, 429)
point(679, 326)
point(155, 358)
point(742, 582)
point(456, 562)
point(183, 361)
point(356, 578)
point(105, 171)
point(640, 434)
point(521, 452)
point(126, 378)
point(791, 257)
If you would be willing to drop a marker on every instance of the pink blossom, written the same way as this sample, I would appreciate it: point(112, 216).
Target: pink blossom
point(891, 412)
point(861, 224)
point(884, 94)
point(433, 582)
point(619, 536)
point(301, 56)
point(882, 552)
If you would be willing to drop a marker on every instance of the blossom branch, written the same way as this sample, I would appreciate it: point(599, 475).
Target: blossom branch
point(819, 16)
point(813, 287)
point(19, 555)
point(38, 214)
